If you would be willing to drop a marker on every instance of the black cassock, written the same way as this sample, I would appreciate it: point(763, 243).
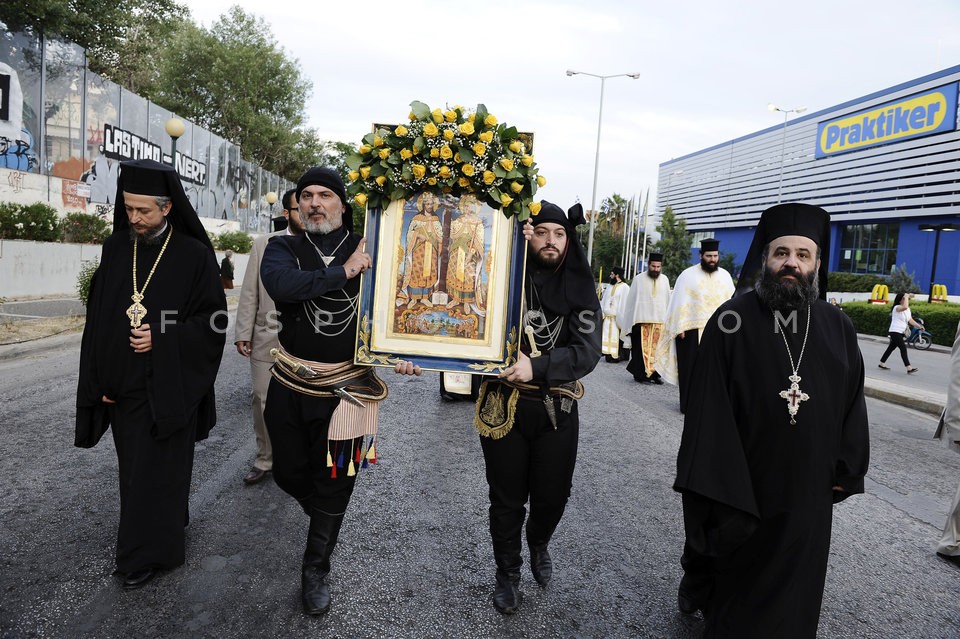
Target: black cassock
point(757, 491)
point(165, 399)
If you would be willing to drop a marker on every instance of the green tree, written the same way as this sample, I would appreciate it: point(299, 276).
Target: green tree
point(120, 36)
point(728, 262)
point(235, 80)
point(613, 212)
point(607, 250)
point(674, 243)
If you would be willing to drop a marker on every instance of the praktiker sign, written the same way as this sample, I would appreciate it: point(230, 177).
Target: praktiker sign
point(926, 113)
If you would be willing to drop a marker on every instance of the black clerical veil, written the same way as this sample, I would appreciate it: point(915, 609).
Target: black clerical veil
point(791, 218)
point(569, 285)
point(149, 177)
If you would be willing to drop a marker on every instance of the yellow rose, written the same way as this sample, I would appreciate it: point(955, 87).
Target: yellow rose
point(377, 141)
point(515, 146)
point(364, 149)
point(471, 117)
point(437, 116)
point(457, 158)
point(406, 154)
point(431, 181)
point(490, 121)
point(486, 136)
point(353, 175)
point(384, 153)
point(444, 171)
point(419, 171)
point(381, 180)
point(412, 117)
point(463, 182)
point(434, 153)
point(505, 199)
point(466, 128)
point(534, 208)
point(468, 169)
point(360, 198)
point(431, 130)
point(516, 187)
point(448, 134)
point(507, 164)
point(450, 116)
point(400, 131)
point(364, 172)
point(527, 160)
point(416, 149)
point(489, 177)
point(446, 152)
point(541, 181)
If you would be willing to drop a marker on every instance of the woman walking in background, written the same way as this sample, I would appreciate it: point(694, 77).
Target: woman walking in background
point(226, 270)
point(900, 319)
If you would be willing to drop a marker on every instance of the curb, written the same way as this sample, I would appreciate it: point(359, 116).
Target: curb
point(40, 345)
point(924, 402)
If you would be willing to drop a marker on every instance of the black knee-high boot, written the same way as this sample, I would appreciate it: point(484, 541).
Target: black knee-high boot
point(506, 595)
point(321, 540)
point(541, 565)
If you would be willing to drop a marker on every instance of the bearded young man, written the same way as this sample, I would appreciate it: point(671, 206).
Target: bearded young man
point(527, 419)
point(641, 319)
point(321, 410)
point(777, 436)
point(699, 290)
point(147, 369)
point(610, 302)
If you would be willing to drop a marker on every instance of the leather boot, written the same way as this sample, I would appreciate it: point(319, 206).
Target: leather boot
point(321, 541)
point(507, 595)
point(540, 563)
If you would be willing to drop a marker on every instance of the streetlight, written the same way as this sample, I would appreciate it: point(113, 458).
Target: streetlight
point(783, 141)
point(174, 128)
point(596, 163)
point(936, 247)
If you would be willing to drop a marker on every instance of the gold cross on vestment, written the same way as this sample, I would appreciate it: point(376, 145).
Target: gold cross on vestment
point(794, 396)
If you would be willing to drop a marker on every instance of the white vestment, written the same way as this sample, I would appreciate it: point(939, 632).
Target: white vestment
point(695, 297)
point(646, 303)
point(609, 303)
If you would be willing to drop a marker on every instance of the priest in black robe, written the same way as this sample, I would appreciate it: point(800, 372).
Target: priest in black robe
point(151, 348)
point(779, 435)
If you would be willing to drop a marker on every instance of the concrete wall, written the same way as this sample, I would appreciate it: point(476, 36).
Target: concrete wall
point(50, 269)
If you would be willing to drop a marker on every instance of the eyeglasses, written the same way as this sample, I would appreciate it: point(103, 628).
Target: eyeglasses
point(294, 208)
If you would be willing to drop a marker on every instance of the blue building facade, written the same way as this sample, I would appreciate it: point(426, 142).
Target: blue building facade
point(886, 167)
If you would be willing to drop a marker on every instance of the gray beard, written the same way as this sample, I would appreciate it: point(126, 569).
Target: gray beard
point(320, 228)
point(152, 237)
point(787, 297)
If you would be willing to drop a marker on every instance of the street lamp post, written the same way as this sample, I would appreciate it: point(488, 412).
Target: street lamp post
point(271, 198)
point(936, 248)
point(783, 141)
point(174, 128)
point(596, 162)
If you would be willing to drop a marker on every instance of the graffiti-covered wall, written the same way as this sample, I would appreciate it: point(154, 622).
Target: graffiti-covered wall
point(64, 129)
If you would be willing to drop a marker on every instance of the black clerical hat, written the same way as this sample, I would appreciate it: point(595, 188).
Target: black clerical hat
point(655, 257)
point(550, 212)
point(791, 218)
point(149, 177)
point(709, 244)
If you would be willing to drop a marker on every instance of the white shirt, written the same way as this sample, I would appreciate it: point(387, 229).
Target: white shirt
point(899, 320)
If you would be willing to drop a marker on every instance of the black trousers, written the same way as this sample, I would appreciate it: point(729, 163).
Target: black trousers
point(155, 477)
point(533, 461)
point(896, 341)
point(298, 426)
point(686, 358)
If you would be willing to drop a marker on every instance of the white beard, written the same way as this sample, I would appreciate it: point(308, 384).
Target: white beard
point(321, 228)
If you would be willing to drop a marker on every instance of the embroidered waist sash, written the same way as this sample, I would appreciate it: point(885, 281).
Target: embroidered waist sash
point(497, 403)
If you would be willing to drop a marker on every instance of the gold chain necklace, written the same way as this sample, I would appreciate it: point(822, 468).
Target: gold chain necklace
point(794, 395)
point(138, 311)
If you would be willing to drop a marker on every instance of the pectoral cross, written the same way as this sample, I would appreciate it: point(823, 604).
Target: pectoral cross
point(794, 396)
point(137, 311)
point(533, 342)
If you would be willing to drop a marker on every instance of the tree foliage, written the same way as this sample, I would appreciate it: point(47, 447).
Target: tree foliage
point(121, 36)
point(607, 250)
point(235, 80)
point(674, 243)
point(613, 213)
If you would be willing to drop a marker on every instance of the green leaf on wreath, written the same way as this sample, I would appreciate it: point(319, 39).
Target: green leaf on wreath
point(523, 214)
point(368, 139)
point(466, 154)
point(499, 172)
point(420, 143)
point(378, 169)
point(353, 161)
point(406, 173)
point(420, 110)
point(397, 194)
point(482, 114)
point(509, 133)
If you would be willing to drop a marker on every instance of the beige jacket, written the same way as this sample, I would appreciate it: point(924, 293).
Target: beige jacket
point(256, 312)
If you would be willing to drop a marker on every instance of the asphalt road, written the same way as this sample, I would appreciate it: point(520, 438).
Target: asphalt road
point(414, 558)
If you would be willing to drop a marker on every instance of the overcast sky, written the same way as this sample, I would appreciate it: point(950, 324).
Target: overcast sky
point(707, 68)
